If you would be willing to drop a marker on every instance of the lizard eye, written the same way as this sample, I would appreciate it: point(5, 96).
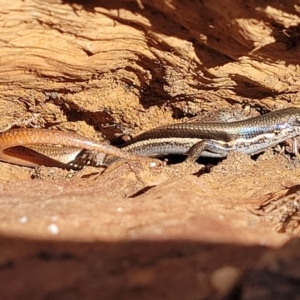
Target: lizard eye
point(297, 120)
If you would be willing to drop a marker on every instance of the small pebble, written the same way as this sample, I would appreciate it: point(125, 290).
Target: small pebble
point(224, 278)
point(119, 209)
point(153, 165)
point(23, 220)
point(53, 228)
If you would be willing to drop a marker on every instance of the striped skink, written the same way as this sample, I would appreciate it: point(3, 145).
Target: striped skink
point(250, 136)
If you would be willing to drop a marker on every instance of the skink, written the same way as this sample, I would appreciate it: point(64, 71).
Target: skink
point(250, 136)
point(51, 147)
point(58, 148)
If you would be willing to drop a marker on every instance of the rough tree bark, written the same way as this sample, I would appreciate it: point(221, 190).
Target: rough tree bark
point(130, 232)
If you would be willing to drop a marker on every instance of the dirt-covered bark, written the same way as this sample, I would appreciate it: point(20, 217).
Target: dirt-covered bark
point(105, 68)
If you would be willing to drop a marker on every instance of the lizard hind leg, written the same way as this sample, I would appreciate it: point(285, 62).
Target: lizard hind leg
point(208, 148)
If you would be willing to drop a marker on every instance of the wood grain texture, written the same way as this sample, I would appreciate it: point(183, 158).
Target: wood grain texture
point(131, 65)
point(61, 58)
